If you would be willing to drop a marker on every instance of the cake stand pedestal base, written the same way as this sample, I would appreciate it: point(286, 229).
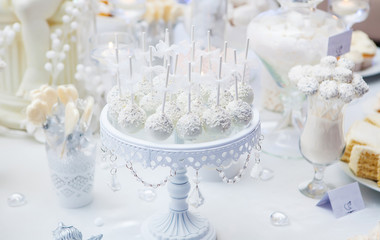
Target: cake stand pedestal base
point(178, 223)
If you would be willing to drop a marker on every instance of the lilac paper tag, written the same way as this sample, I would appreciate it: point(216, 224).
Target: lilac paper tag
point(339, 44)
point(344, 200)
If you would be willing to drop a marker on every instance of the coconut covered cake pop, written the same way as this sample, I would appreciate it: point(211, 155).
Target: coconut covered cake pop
point(131, 118)
point(189, 126)
point(216, 120)
point(159, 125)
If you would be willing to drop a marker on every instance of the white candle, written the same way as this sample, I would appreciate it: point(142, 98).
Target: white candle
point(345, 7)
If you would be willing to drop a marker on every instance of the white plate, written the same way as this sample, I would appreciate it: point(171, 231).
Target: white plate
point(375, 68)
point(366, 182)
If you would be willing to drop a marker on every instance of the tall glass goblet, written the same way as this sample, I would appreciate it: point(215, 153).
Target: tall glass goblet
point(350, 11)
point(321, 142)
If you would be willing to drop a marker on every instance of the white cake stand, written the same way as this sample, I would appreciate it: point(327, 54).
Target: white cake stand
point(178, 222)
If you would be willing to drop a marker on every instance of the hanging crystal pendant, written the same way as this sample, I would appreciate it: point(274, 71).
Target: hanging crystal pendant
point(114, 184)
point(256, 171)
point(196, 198)
point(147, 194)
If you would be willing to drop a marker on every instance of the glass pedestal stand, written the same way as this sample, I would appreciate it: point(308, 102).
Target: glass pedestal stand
point(179, 222)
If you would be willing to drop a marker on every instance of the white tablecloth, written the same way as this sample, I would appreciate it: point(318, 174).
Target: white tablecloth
point(238, 212)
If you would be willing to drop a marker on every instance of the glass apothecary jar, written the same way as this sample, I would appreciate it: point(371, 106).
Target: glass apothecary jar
point(296, 33)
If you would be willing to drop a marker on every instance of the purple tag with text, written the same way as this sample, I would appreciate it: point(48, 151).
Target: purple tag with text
point(343, 200)
point(339, 44)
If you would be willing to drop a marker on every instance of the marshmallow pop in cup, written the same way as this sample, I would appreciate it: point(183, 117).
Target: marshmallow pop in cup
point(189, 126)
point(131, 117)
point(216, 120)
point(240, 111)
point(159, 125)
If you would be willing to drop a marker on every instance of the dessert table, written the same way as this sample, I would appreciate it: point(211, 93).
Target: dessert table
point(239, 211)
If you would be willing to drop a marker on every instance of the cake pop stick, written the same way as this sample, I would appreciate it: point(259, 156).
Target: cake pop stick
point(209, 49)
point(189, 126)
point(192, 33)
point(225, 51)
point(189, 96)
point(219, 78)
point(143, 41)
point(117, 63)
point(167, 42)
point(236, 79)
point(175, 64)
point(200, 64)
point(130, 77)
point(166, 85)
point(193, 51)
point(245, 59)
point(167, 39)
point(208, 41)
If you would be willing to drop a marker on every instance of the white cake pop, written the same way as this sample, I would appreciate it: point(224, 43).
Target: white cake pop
point(189, 126)
point(113, 94)
point(328, 89)
point(131, 118)
point(114, 109)
point(196, 103)
point(322, 73)
point(329, 62)
point(240, 111)
point(159, 126)
point(360, 86)
point(245, 93)
point(225, 98)
point(346, 63)
point(172, 111)
point(298, 72)
point(143, 88)
point(346, 92)
point(149, 103)
point(216, 120)
point(343, 75)
point(308, 85)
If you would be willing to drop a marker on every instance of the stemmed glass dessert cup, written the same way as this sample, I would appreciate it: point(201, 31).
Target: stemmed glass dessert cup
point(350, 11)
point(321, 144)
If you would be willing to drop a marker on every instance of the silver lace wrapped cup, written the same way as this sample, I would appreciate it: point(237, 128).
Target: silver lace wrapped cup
point(72, 165)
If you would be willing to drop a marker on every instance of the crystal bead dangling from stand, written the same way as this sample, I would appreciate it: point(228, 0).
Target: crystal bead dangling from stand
point(257, 168)
point(196, 198)
point(148, 194)
point(114, 184)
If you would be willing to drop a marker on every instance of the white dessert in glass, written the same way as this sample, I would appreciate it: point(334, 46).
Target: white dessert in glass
point(330, 86)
